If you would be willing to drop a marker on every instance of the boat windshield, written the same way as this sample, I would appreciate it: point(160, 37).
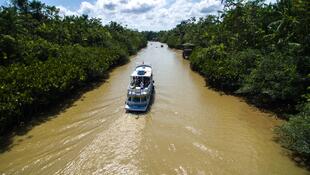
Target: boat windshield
point(141, 82)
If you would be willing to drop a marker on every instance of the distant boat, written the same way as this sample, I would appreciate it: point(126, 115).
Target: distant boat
point(187, 50)
point(140, 89)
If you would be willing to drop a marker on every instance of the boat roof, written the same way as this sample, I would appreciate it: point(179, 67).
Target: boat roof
point(188, 44)
point(143, 70)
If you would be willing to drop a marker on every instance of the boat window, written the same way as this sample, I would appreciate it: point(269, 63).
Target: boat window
point(136, 99)
point(132, 81)
point(136, 81)
point(143, 99)
point(141, 72)
point(146, 81)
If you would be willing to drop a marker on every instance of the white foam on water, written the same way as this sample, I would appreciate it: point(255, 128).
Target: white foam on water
point(181, 171)
point(112, 151)
point(193, 130)
point(172, 147)
point(213, 153)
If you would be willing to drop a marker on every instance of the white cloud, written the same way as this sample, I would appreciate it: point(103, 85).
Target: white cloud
point(209, 6)
point(65, 11)
point(86, 8)
point(146, 14)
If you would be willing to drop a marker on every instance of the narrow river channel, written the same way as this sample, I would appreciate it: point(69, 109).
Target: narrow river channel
point(189, 129)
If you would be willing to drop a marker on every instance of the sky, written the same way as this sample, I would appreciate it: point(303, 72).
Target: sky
point(150, 15)
point(142, 15)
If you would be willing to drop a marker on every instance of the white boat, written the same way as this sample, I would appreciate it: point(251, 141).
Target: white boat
point(140, 89)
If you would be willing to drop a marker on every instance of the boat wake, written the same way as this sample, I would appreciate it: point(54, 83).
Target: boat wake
point(115, 150)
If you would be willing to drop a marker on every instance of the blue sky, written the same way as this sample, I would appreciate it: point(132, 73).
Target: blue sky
point(142, 15)
point(70, 4)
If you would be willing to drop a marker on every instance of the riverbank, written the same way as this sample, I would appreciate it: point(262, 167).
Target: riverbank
point(54, 108)
point(256, 51)
point(52, 82)
point(50, 58)
point(292, 134)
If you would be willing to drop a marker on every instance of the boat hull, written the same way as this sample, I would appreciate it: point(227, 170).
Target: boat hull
point(139, 107)
point(136, 108)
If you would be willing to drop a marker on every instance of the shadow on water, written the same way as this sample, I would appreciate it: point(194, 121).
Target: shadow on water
point(280, 109)
point(47, 113)
point(299, 160)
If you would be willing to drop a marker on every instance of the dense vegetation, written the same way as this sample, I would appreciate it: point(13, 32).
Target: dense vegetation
point(259, 51)
point(44, 56)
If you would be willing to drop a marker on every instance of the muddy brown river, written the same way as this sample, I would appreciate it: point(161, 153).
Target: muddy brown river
point(189, 129)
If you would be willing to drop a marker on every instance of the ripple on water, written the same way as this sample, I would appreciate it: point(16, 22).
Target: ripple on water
point(172, 147)
point(114, 148)
point(212, 153)
point(180, 171)
point(193, 130)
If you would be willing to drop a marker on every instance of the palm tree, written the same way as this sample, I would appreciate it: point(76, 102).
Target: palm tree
point(21, 5)
point(36, 9)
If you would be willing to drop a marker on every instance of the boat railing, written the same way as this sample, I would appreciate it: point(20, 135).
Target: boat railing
point(134, 91)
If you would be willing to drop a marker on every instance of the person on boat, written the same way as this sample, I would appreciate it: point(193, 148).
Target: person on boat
point(146, 82)
point(133, 82)
point(141, 85)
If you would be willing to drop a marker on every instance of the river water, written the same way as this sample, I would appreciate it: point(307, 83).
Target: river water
point(189, 129)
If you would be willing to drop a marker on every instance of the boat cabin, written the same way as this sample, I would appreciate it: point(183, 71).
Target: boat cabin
point(141, 77)
point(140, 88)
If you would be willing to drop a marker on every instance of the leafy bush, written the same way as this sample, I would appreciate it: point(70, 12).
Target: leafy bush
point(295, 134)
point(24, 89)
point(274, 79)
point(200, 56)
point(9, 49)
point(222, 70)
